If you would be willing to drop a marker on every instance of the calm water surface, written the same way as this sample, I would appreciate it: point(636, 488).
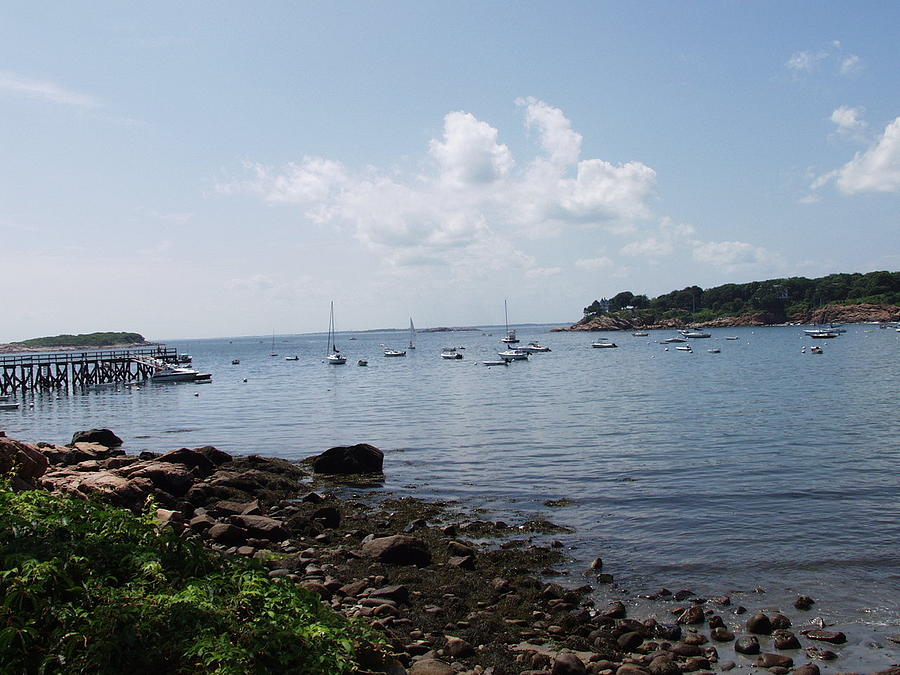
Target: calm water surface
point(760, 466)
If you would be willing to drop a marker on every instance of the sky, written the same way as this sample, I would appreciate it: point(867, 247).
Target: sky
point(203, 169)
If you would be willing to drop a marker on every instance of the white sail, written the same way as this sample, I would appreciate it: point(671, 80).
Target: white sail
point(412, 334)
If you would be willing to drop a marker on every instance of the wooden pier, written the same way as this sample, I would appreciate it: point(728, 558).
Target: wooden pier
point(70, 370)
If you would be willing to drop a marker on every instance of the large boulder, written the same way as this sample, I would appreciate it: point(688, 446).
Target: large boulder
point(190, 458)
point(175, 479)
point(261, 527)
point(350, 459)
point(25, 461)
point(103, 437)
point(398, 549)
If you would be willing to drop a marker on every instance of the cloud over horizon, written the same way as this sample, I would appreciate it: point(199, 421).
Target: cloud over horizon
point(44, 90)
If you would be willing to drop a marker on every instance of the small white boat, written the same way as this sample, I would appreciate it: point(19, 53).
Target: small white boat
point(821, 335)
point(815, 350)
point(684, 348)
point(534, 348)
point(179, 374)
point(695, 334)
point(291, 358)
point(603, 343)
point(335, 359)
point(640, 333)
point(504, 362)
point(513, 355)
point(673, 339)
point(393, 352)
point(714, 351)
point(450, 353)
point(732, 337)
point(234, 362)
point(9, 406)
point(184, 358)
point(362, 362)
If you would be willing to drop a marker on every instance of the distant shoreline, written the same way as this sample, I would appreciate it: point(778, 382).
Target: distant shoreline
point(18, 348)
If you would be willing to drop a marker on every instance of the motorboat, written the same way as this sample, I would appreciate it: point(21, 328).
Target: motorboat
point(673, 339)
point(362, 362)
point(640, 333)
point(732, 337)
point(534, 348)
point(603, 343)
point(235, 362)
point(184, 358)
point(394, 352)
point(9, 406)
point(815, 350)
point(450, 353)
point(684, 348)
point(513, 355)
point(504, 362)
point(695, 334)
point(821, 334)
point(291, 358)
point(714, 351)
point(179, 374)
point(333, 356)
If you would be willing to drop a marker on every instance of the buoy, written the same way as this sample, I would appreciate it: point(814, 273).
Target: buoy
point(245, 379)
point(197, 394)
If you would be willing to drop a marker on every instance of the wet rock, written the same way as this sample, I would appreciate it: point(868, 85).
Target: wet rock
point(759, 624)
point(398, 549)
point(326, 516)
point(715, 621)
point(804, 602)
point(769, 660)
point(722, 634)
point(728, 665)
point(747, 645)
point(667, 631)
point(597, 564)
point(684, 649)
point(663, 665)
point(103, 437)
point(351, 459)
point(567, 663)
point(631, 669)
point(431, 667)
point(458, 648)
point(807, 669)
point(821, 654)
point(695, 639)
point(834, 637)
point(784, 639)
point(630, 641)
point(780, 622)
point(740, 609)
point(691, 616)
point(175, 479)
point(683, 594)
point(201, 464)
point(615, 610)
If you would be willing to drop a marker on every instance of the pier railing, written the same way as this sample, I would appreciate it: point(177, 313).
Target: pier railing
point(66, 370)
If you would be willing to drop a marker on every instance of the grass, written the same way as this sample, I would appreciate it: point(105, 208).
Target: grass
point(89, 588)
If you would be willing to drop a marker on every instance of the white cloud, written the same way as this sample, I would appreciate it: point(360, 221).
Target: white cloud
point(469, 152)
point(877, 169)
point(730, 255)
point(543, 272)
point(651, 247)
point(833, 56)
point(593, 264)
point(477, 201)
point(848, 120)
point(43, 90)
point(664, 242)
point(561, 143)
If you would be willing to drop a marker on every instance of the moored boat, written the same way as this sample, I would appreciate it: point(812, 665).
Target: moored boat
point(450, 353)
point(333, 354)
point(534, 347)
point(179, 374)
point(640, 333)
point(513, 355)
point(603, 343)
point(394, 352)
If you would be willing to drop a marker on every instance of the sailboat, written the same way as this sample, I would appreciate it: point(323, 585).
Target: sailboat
point(333, 354)
point(412, 334)
point(510, 338)
point(273, 345)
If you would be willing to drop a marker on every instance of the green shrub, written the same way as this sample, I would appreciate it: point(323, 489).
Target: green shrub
point(94, 589)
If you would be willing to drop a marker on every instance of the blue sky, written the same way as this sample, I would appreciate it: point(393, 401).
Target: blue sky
point(192, 169)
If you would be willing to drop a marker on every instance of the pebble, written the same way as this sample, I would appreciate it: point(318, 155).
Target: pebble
point(804, 602)
point(747, 645)
point(834, 637)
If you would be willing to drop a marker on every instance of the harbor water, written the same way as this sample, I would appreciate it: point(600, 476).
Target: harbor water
point(760, 468)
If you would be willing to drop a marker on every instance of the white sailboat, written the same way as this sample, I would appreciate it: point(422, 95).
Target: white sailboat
point(273, 345)
point(510, 338)
point(412, 334)
point(333, 355)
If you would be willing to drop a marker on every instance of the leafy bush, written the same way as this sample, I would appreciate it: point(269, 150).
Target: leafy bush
point(89, 588)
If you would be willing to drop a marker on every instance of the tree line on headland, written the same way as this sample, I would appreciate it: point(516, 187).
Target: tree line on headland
point(84, 340)
point(774, 301)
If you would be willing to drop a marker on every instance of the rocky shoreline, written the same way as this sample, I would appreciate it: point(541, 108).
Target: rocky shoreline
point(17, 348)
point(824, 315)
point(451, 591)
